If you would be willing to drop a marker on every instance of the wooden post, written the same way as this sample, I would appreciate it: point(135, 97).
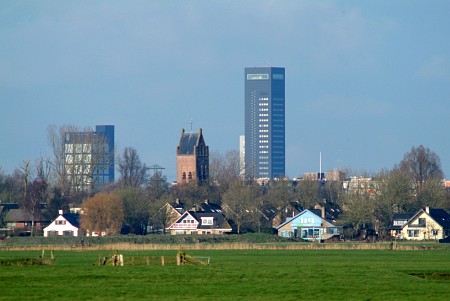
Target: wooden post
point(148, 261)
point(162, 261)
point(43, 254)
point(52, 254)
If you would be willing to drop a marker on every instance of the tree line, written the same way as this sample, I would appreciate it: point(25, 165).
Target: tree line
point(134, 202)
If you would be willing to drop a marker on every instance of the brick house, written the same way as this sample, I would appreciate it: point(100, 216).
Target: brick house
point(192, 158)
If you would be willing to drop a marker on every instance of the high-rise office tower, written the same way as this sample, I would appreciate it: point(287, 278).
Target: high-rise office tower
point(264, 122)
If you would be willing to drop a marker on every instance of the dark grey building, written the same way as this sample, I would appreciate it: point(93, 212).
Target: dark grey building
point(264, 122)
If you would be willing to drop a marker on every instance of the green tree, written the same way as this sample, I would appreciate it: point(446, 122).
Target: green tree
point(157, 186)
point(136, 209)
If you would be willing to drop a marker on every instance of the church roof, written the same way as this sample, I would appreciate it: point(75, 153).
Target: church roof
point(188, 141)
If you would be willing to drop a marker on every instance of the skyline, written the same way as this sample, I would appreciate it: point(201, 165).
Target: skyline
point(365, 81)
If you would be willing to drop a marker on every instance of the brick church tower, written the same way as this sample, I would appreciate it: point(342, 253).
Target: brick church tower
point(192, 158)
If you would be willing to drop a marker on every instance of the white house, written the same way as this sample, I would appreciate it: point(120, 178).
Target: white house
point(63, 225)
point(192, 222)
point(308, 226)
point(427, 224)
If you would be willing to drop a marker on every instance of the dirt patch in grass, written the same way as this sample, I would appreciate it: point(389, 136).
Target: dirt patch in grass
point(432, 276)
point(25, 261)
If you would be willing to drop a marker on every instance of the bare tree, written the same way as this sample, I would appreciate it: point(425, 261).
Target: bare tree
point(422, 165)
point(280, 193)
point(56, 138)
point(307, 192)
point(11, 187)
point(35, 193)
point(80, 157)
point(133, 172)
point(238, 204)
point(224, 168)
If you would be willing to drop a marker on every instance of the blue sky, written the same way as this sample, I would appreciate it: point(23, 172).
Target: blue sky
point(365, 80)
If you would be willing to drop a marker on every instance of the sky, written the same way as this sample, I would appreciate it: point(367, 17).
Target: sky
point(365, 80)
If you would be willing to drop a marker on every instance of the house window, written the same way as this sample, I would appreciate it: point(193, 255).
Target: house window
point(68, 233)
point(413, 233)
point(435, 232)
point(207, 221)
point(422, 222)
point(53, 233)
point(60, 222)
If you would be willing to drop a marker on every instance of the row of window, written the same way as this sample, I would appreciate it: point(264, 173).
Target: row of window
point(415, 233)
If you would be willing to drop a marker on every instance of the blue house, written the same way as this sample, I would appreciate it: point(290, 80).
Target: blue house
point(309, 226)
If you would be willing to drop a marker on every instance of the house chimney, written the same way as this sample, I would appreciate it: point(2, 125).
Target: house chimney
point(427, 209)
point(60, 212)
point(323, 212)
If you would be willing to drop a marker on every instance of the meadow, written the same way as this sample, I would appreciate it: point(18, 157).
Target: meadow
point(231, 275)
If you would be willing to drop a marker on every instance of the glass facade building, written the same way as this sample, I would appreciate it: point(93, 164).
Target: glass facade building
point(264, 122)
point(89, 158)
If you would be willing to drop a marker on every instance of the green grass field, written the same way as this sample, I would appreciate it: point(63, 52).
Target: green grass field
point(233, 275)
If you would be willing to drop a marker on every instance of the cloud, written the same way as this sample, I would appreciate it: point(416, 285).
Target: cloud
point(435, 67)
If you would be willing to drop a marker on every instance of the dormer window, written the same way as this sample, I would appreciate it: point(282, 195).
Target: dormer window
point(207, 220)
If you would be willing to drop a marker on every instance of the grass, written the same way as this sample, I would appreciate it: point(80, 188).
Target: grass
point(233, 275)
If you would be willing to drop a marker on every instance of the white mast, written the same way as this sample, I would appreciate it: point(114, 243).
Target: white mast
point(320, 166)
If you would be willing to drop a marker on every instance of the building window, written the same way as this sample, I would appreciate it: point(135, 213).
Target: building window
point(207, 220)
point(422, 222)
point(413, 233)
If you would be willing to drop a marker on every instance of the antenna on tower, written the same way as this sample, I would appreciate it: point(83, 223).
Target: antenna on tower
point(320, 162)
point(320, 176)
point(190, 121)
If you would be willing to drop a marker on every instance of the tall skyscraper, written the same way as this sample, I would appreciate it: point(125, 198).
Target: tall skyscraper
point(89, 158)
point(264, 122)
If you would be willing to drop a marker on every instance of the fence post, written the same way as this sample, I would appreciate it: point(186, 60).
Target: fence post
point(162, 261)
